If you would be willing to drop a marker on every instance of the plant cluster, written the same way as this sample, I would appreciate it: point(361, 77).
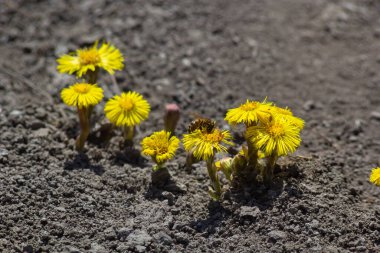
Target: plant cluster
point(270, 131)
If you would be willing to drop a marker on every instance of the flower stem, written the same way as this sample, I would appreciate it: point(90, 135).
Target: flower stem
point(160, 176)
point(157, 167)
point(92, 76)
point(252, 158)
point(252, 155)
point(190, 160)
point(129, 132)
point(84, 115)
point(212, 173)
point(115, 85)
point(268, 171)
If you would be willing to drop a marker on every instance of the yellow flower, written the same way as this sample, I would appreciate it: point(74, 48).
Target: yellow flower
point(160, 146)
point(128, 109)
point(375, 176)
point(287, 114)
point(82, 95)
point(248, 113)
point(275, 137)
point(107, 57)
point(204, 144)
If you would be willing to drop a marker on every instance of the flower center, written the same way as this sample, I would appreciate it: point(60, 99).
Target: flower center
point(215, 136)
point(161, 149)
point(276, 130)
point(249, 106)
point(126, 104)
point(89, 56)
point(82, 88)
point(160, 144)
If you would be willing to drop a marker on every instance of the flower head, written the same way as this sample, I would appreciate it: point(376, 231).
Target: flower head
point(82, 95)
point(375, 176)
point(275, 137)
point(248, 113)
point(204, 144)
point(160, 146)
point(287, 114)
point(107, 57)
point(128, 109)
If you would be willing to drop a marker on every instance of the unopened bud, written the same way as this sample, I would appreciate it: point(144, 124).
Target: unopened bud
point(172, 115)
point(225, 165)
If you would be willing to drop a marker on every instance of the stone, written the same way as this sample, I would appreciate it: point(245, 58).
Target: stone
point(309, 105)
point(71, 249)
point(123, 233)
point(140, 248)
point(169, 196)
point(41, 113)
point(3, 152)
point(277, 235)
point(248, 212)
point(27, 249)
point(139, 238)
point(375, 115)
point(110, 234)
point(163, 238)
point(186, 62)
point(16, 113)
point(43, 132)
point(97, 248)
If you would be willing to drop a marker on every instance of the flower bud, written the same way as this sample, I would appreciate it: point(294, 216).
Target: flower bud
point(172, 115)
point(225, 165)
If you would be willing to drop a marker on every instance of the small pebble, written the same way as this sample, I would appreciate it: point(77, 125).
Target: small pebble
point(375, 115)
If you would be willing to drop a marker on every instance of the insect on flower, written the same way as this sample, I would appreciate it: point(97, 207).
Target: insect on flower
point(202, 124)
point(204, 142)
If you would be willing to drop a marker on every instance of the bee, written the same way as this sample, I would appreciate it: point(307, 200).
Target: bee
point(203, 124)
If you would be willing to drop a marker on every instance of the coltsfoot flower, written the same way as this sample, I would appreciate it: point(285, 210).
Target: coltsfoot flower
point(287, 114)
point(82, 95)
point(248, 113)
point(81, 61)
point(276, 137)
point(204, 144)
point(160, 146)
point(375, 176)
point(203, 141)
point(128, 109)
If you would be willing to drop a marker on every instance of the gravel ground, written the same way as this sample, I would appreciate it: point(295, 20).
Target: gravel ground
point(320, 58)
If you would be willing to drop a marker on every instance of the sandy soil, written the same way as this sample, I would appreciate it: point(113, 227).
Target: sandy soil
point(320, 58)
